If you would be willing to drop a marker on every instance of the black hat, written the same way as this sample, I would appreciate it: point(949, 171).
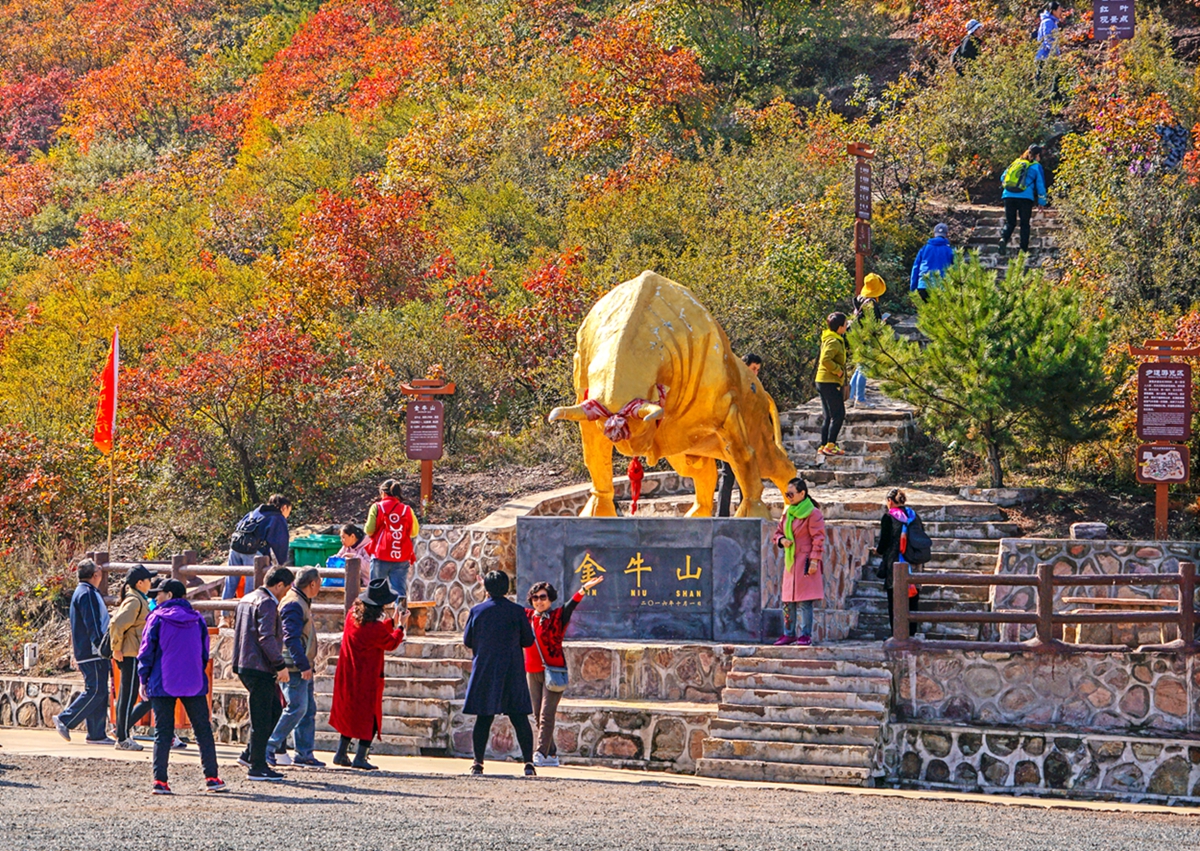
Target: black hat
point(138, 573)
point(378, 593)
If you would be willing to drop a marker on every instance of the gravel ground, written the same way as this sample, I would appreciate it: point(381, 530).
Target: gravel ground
point(85, 804)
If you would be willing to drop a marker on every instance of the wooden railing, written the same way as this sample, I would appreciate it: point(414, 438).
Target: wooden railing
point(1046, 622)
point(183, 567)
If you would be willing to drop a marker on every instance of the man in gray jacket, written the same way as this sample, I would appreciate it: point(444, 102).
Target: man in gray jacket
point(258, 662)
point(299, 651)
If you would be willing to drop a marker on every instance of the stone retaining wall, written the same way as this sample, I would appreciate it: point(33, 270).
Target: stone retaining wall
point(1098, 692)
point(1089, 558)
point(33, 701)
point(632, 671)
point(1060, 763)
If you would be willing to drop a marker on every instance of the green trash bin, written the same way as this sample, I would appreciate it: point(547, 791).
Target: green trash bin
point(313, 550)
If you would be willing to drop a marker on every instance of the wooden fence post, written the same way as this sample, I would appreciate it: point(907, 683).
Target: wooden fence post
point(1187, 606)
point(177, 563)
point(900, 577)
point(1045, 606)
point(261, 563)
point(353, 581)
point(101, 559)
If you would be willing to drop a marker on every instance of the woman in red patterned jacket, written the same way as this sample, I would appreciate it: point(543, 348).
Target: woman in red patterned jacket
point(549, 626)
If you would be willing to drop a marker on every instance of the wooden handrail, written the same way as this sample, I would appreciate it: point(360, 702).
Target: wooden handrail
point(1047, 622)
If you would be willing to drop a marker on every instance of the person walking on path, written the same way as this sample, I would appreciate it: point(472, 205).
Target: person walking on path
point(549, 627)
point(968, 48)
point(89, 626)
point(172, 663)
point(1049, 24)
point(262, 532)
point(392, 526)
point(893, 525)
point(374, 627)
point(727, 480)
point(934, 258)
point(258, 662)
point(801, 535)
point(866, 301)
point(831, 375)
point(125, 637)
point(496, 632)
point(299, 649)
point(1024, 185)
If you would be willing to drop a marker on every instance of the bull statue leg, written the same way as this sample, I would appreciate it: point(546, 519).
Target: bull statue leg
point(744, 461)
point(703, 473)
point(597, 455)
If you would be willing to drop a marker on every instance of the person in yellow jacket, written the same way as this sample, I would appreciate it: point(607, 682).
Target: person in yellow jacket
point(831, 375)
point(125, 635)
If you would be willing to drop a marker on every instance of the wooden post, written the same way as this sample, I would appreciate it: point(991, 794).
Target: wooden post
point(101, 559)
point(261, 563)
point(353, 583)
point(1187, 605)
point(426, 390)
point(900, 577)
point(1045, 606)
point(1161, 505)
point(177, 562)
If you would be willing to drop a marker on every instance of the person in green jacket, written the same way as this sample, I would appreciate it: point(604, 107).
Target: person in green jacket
point(831, 375)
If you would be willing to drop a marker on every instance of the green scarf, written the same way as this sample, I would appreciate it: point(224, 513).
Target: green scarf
point(792, 513)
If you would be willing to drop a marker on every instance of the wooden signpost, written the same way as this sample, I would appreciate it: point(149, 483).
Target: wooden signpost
point(425, 428)
point(1164, 421)
point(1112, 19)
point(862, 208)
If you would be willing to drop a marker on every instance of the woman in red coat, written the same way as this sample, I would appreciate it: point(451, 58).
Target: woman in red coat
point(357, 711)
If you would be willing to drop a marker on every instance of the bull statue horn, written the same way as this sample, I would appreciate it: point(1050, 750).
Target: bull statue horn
point(575, 413)
point(649, 413)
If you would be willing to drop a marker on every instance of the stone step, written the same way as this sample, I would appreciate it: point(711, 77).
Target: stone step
point(400, 707)
point(966, 562)
point(810, 429)
point(810, 667)
point(858, 756)
point(819, 715)
point(419, 667)
point(790, 697)
point(977, 546)
point(983, 529)
point(853, 463)
point(425, 730)
point(959, 514)
point(859, 684)
point(438, 646)
point(386, 744)
point(439, 688)
point(782, 772)
point(812, 734)
point(858, 447)
point(843, 651)
point(839, 478)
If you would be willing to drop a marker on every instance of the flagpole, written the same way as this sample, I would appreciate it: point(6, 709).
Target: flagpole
point(111, 488)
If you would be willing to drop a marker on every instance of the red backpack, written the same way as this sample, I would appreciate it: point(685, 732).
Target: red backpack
point(392, 540)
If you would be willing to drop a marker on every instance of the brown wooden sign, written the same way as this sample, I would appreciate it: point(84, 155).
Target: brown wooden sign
point(424, 430)
point(862, 189)
point(1164, 411)
point(1163, 464)
point(862, 237)
point(1112, 19)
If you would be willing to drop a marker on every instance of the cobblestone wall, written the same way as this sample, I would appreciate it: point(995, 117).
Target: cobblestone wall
point(630, 671)
point(1099, 692)
point(998, 760)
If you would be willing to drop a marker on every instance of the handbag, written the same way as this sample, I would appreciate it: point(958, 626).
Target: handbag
point(556, 677)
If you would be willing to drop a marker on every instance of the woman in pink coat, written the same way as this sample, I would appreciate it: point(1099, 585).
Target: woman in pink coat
point(801, 535)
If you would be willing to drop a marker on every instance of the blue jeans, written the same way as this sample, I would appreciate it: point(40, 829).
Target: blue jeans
point(858, 385)
point(92, 703)
point(395, 572)
point(231, 582)
point(299, 715)
point(806, 618)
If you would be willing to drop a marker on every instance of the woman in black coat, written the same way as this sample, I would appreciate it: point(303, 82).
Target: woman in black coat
point(497, 632)
point(891, 524)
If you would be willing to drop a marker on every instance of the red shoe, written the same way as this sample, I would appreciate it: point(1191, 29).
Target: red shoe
point(215, 784)
point(784, 640)
point(803, 641)
point(161, 788)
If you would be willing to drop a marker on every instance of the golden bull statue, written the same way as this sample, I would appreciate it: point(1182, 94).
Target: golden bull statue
point(655, 377)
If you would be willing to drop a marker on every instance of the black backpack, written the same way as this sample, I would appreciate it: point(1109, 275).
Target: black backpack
point(250, 535)
point(918, 547)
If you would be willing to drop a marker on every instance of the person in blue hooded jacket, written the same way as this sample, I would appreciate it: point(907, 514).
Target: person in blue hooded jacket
point(1024, 185)
point(1047, 33)
point(934, 258)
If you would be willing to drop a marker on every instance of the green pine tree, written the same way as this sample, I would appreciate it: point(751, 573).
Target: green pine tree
point(1007, 359)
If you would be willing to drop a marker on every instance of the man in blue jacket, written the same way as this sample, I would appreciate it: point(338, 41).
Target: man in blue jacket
point(934, 258)
point(89, 625)
point(262, 532)
point(1024, 185)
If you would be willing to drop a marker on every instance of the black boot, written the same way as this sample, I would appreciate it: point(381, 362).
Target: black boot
point(360, 756)
point(341, 758)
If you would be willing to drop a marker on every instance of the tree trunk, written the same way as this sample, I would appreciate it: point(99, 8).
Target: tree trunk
point(247, 470)
point(993, 457)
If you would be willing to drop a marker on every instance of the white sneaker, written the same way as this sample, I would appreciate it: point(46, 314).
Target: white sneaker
point(283, 759)
point(128, 745)
point(538, 759)
point(550, 762)
point(178, 744)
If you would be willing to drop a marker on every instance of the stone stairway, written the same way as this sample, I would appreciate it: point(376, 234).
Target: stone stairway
point(966, 539)
point(800, 715)
point(869, 436)
point(422, 681)
point(985, 238)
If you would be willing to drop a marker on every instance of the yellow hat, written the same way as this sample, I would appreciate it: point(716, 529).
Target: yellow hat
point(873, 286)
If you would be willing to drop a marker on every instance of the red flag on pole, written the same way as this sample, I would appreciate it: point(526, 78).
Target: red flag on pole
point(106, 410)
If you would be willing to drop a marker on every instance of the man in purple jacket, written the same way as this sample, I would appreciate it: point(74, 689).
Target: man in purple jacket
point(172, 664)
